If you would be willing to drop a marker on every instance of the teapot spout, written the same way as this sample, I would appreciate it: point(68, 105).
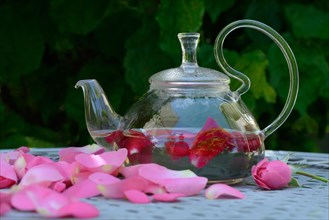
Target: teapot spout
point(99, 114)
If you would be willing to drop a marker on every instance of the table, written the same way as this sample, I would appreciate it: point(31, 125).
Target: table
point(308, 202)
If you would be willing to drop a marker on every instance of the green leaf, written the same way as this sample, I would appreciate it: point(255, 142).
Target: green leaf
point(206, 56)
point(175, 17)
point(306, 123)
point(313, 68)
point(78, 17)
point(144, 58)
point(18, 140)
point(215, 8)
point(112, 43)
point(254, 64)
point(294, 183)
point(21, 46)
point(285, 159)
point(17, 132)
point(307, 21)
point(267, 12)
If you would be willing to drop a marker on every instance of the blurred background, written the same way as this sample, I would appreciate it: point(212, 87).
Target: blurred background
point(47, 46)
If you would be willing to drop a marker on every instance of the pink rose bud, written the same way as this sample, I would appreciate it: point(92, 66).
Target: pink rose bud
point(271, 175)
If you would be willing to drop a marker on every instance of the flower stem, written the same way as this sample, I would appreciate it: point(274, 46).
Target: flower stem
point(312, 176)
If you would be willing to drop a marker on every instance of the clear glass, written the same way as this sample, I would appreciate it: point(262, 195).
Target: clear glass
point(189, 119)
point(288, 54)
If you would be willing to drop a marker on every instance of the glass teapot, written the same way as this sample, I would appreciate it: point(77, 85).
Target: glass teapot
point(189, 118)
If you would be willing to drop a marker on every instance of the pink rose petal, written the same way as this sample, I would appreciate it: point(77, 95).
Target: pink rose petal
point(5, 196)
point(32, 160)
point(157, 173)
point(80, 176)
point(26, 198)
point(103, 178)
point(281, 168)
point(50, 203)
point(4, 208)
point(167, 197)
point(10, 157)
point(107, 162)
point(173, 181)
point(130, 170)
point(68, 154)
point(58, 186)
point(7, 175)
point(43, 174)
point(20, 167)
point(154, 188)
point(78, 210)
point(83, 189)
point(116, 190)
point(187, 186)
point(136, 196)
point(219, 190)
point(23, 149)
point(210, 123)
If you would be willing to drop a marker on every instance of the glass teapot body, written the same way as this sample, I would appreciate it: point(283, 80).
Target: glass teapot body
point(211, 133)
point(189, 118)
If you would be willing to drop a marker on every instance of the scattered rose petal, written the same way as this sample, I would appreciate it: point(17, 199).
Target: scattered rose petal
point(156, 173)
point(154, 188)
point(42, 174)
point(50, 203)
point(7, 175)
point(103, 178)
point(185, 181)
point(79, 210)
point(130, 170)
point(26, 198)
point(10, 157)
point(167, 197)
point(116, 190)
point(136, 196)
point(58, 186)
point(32, 160)
point(107, 162)
point(187, 186)
point(219, 190)
point(4, 208)
point(23, 149)
point(83, 189)
point(68, 154)
point(20, 167)
point(5, 196)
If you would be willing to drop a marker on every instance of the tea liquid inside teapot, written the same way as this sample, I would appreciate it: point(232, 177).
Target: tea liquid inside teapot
point(219, 154)
point(211, 135)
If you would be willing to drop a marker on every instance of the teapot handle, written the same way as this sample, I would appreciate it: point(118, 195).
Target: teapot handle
point(285, 49)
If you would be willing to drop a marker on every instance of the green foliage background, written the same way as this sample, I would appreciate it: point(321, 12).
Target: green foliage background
point(47, 46)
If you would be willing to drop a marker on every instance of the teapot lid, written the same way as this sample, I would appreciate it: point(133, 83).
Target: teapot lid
point(189, 74)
